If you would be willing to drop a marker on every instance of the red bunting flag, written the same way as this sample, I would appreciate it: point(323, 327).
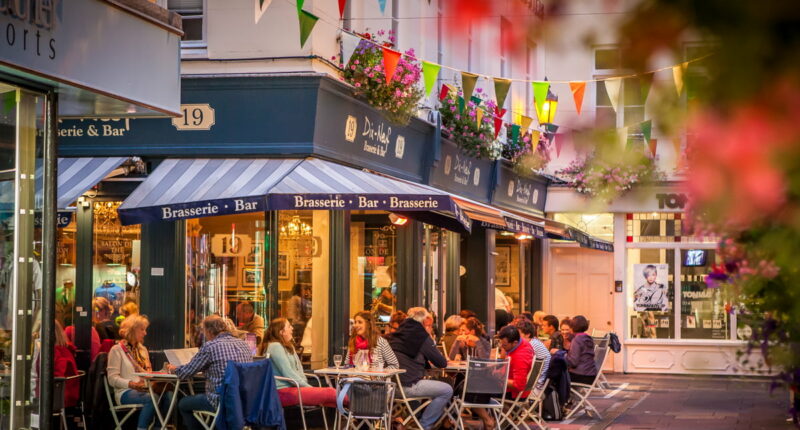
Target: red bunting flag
point(653, 143)
point(559, 143)
point(498, 120)
point(341, 8)
point(578, 89)
point(443, 92)
point(390, 60)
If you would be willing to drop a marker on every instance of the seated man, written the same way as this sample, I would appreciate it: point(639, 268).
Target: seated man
point(249, 321)
point(520, 354)
point(414, 347)
point(212, 358)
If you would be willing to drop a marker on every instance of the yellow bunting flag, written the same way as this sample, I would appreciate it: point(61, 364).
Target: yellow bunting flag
point(525, 122)
point(501, 87)
point(612, 89)
point(478, 115)
point(468, 82)
point(677, 75)
point(578, 89)
point(535, 140)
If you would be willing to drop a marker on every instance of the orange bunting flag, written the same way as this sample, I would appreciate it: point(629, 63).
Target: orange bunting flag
point(390, 60)
point(578, 89)
point(653, 143)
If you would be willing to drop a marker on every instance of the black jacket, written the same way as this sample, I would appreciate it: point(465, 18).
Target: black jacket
point(414, 348)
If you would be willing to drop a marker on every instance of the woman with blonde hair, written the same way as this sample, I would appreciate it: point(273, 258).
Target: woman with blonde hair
point(101, 317)
point(287, 364)
point(365, 341)
point(125, 359)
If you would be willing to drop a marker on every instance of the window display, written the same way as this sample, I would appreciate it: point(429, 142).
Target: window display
point(373, 264)
point(116, 263)
point(651, 304)
point(703, 312)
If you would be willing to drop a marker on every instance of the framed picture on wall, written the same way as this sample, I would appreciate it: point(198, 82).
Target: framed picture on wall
point(255, 256)
point(283, 266)
point(251, 276)
point(503, 266)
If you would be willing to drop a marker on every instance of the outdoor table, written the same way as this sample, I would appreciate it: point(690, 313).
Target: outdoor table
point(456, 366)
point(167, 378)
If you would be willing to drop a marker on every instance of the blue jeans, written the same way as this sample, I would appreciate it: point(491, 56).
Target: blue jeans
point(148, 412)
point(189, 404)
point(441, 392)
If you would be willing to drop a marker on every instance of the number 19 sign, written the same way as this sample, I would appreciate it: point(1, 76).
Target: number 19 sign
point(195, 117)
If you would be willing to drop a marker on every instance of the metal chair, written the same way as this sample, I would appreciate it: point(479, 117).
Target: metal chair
point(403, 405)
point(600, 353)
point(115, 408)
point(207, 419)
point(483, 377)
point(369, 402)
point(303, 407)
point(521, 408)
point(58, 398)
point(582, 392)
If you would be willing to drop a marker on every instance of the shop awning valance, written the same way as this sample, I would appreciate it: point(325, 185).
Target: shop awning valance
point(194, 188)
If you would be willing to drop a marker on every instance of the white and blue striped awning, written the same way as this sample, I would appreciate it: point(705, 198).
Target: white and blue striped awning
point(194, 188)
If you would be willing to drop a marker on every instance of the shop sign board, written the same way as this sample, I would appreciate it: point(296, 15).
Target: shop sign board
point(586, 241)
point(49, 39)
point(461, 174)
point(520, 226)
point(518, 192)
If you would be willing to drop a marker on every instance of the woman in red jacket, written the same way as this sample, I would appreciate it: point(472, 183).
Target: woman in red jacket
point(64, 365)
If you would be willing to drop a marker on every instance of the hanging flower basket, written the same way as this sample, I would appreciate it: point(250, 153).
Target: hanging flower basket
point(608, 178)
point(471, 130)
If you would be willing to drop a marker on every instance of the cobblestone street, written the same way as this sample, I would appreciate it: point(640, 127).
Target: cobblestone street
point(686, 402)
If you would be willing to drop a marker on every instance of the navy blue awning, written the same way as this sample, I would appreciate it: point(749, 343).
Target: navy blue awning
point(194, 188)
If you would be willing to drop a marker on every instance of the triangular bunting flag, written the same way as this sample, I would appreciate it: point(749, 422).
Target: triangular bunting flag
point(349, 44)
point(676, 145)
point(300, 5)
point(622, 136)
point(612, 89)
point(647, 128)
point(468, 82)
point(390, 60)
point(645, 82)
point(578, 89)
point(341, 8)
point(478, 116)
point(430, 71)
point(443, 92)
point(501, 87)
point(514, 133)
point(535, 140)
point(525, 122)
point(498, 120)
point(382, 4)
point(653, 144)
point(476, 100)
point(461, 104)
point(261, 7)
point(677, 75)
point(539, 95)
point(307, 23)
point(559, 142)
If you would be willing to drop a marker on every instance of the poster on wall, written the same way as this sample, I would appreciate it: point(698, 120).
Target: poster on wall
point(503, 266)
point(651, 287)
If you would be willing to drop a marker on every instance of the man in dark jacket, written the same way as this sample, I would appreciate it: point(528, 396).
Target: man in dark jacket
point(414, 348)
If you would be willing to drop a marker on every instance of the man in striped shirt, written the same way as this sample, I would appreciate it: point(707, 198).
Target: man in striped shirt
point(212, 358)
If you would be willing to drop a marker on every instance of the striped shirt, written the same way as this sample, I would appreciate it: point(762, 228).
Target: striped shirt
point(541, 353)
point(382, 353)
point(212, 358)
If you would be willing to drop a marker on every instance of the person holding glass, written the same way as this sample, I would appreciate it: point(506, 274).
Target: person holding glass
point(367, 347)
point(130, 356)
point(471, 342)
point(286, 363)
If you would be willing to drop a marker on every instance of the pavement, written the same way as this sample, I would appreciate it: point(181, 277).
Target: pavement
point(686, 402)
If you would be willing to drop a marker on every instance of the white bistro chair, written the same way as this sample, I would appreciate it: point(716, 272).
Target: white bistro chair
point(483, 377)
point(370, 403)
point(521, 408)
point(118, 410)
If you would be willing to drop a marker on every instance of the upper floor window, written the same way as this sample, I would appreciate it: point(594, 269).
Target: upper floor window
point(193, 20)
point(610, 62)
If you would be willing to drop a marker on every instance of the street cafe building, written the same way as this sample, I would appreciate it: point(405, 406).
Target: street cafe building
point(51, 68)
point(290, 194)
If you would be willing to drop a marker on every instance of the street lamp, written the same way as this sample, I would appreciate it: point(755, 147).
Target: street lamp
point(549, 107)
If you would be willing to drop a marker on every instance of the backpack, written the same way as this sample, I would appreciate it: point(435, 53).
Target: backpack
point(551, 406)
point(613, 343)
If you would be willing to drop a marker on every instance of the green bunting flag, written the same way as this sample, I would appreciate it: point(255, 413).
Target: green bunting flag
point(539, 95)
point(501, 87)
point(300, 5)
point(461, 104)
point(307, 23)
point(515, 133)
point(430, 71)
point(645, 82)
point(647, 127)
point(468, 82)
point(476, 100)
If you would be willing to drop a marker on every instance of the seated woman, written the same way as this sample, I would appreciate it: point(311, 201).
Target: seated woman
point(580, 356)
point(472, 341)
point(286, 363)
point(126, 358)
point(365, 338)
point(452, 328)
point(106, 328)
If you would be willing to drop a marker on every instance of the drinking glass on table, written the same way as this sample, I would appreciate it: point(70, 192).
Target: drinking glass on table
point(337, 360)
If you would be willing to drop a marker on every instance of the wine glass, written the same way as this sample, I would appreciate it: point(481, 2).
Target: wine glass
point(337, 360)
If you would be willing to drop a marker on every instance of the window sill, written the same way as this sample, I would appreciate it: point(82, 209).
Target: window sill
point(194, 52)
point(683, 342)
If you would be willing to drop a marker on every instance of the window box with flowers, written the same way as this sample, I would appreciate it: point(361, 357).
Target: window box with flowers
point(471, 130)
point(522, 154)
point(398, 99)
point(608, 176)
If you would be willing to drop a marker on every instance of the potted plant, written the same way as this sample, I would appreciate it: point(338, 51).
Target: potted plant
point(470, 125)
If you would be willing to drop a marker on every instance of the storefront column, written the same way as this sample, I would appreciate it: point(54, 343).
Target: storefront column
point(409, 265)
point(477, 292)
point(84, 253)
point(162, 283)
point(535, 287)
point(453, 261)
point(339, 293)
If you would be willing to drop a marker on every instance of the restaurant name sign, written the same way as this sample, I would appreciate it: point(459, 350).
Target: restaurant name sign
point(461, 174)
point(518, 192)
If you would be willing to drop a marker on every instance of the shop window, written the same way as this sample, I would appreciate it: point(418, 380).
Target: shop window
point(65, 272)
point(600, 226)
point(116, 263)
point(373, 264)
point(651, 293)
point(703, 314)
point(225, 260)
point(509, 277)
point(661, 227)
point(191, 12)
point(303, 269)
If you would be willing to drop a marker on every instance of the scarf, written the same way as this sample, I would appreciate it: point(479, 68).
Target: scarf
point(135, 354)
point(361, 344)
